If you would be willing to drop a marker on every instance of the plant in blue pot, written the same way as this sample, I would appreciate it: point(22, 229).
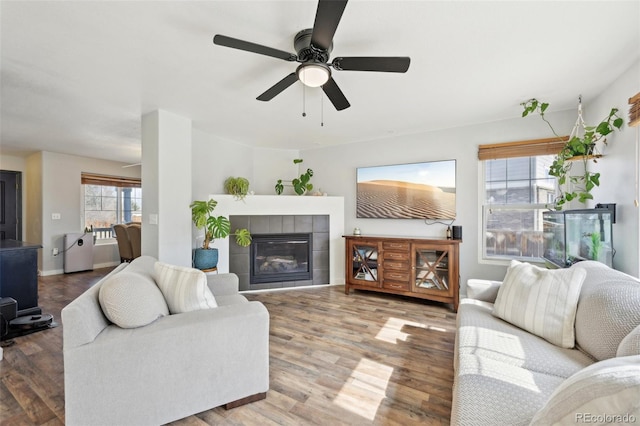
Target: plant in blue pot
point(214, 227)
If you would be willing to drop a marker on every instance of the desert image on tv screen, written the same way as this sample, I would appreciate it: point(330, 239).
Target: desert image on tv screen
point(407, 191)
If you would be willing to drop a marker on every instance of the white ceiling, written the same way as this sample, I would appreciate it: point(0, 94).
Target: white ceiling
point(77, 76)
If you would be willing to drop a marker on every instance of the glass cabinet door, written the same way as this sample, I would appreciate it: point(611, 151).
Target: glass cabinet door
point(364, 262)
point(431, 270)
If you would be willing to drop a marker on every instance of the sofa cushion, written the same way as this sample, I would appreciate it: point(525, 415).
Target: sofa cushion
point(630, 345)
point(482, 334)
point(184, 289)
point(490, 392)
point(608, 309)
point(606, 388)
point(541, 301)
point(131, 300)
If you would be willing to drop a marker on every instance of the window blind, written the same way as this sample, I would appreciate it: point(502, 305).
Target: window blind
point(528, 148)
point(634, 111)
point(105, 180)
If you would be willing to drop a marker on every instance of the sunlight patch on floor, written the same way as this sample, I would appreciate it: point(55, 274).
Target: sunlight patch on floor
point(391, 332)
point(365, 389)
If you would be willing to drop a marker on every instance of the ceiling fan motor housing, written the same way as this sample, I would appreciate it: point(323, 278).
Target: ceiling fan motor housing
point(307, 52)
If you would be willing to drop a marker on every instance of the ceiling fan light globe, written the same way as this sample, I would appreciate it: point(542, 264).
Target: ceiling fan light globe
point(313, 75)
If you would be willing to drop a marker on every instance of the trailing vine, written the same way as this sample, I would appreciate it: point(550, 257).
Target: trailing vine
point(581, 143)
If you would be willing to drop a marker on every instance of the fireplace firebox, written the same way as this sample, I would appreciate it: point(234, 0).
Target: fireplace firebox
point(281, 257)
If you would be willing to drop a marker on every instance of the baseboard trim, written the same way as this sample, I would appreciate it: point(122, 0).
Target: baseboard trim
point(51, 272)
point(61, 271)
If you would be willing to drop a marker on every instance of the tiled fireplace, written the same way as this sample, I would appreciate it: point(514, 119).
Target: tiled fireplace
point(322, 218)
point(287, 251)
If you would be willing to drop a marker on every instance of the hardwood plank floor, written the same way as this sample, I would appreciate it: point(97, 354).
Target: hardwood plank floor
point(362, 359)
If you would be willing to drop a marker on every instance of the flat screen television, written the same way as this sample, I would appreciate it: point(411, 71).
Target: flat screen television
point(424, 190)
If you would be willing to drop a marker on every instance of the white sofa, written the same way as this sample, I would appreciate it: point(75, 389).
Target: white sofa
point(505, 375)
point(176, 366)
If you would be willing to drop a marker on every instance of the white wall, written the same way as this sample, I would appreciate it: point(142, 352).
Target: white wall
point(619, 169)
point(214, 159)
point(166, 176)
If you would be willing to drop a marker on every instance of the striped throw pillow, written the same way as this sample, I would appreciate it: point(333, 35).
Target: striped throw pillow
point(541, 301)
point(603, 393)
point(184, 289)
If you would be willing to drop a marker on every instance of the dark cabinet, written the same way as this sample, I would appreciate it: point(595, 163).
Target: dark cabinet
point(19, 274)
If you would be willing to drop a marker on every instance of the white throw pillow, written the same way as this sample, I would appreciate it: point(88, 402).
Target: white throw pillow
point(630, 345)
point(607, 392)
point(541, 301)
point(131, 300)
point(184, 289)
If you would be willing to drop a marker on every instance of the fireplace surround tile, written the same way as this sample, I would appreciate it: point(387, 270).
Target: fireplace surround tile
point(318, 225)
point(275, 224)
point(303, 223)
point(321, 223)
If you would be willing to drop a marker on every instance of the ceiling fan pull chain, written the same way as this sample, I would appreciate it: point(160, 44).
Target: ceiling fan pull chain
point(321, 110)
point(304, 114)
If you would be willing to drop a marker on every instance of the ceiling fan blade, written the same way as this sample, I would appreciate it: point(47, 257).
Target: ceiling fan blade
point(274, 90)
point(328, 17)
point(335, 95)
point(383, 64)
point(235, 43)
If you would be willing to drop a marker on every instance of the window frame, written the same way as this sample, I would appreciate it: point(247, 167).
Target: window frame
point(519, 149)
point(117, 182)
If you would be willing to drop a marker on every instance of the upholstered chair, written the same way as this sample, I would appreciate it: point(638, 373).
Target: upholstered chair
point(134, 231)
point(124, 245)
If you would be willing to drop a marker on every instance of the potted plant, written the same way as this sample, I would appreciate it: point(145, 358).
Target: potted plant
point(214, 227)
point(581, 145)
point(237, 186)
point(301, 185)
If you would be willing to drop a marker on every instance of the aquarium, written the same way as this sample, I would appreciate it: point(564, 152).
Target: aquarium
point(574, 235)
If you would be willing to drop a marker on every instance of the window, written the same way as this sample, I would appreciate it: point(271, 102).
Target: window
point(516, 190)
point(109, 201)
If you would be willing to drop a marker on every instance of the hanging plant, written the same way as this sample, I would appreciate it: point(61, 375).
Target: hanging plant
point(581, 145)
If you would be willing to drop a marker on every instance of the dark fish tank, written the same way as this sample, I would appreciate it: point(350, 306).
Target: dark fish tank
point(574, 235)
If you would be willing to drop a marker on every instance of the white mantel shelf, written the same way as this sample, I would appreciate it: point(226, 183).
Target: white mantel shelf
point(270, 205)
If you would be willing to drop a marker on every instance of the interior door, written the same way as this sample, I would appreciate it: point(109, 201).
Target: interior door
point(10, 205)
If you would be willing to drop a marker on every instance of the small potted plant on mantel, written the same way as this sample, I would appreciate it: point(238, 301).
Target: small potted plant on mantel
point(214, 227)
point(581, 145)
point(301, 185)
point(237, 186)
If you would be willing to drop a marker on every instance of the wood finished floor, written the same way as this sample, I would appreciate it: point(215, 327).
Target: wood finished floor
point(362, 359)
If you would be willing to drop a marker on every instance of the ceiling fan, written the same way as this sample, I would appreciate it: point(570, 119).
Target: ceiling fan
point(313, 47)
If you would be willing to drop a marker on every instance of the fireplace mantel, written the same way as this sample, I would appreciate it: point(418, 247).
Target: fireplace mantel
point(269, 205)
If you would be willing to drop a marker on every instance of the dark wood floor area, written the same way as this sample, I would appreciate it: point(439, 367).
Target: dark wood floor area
point(362, 359)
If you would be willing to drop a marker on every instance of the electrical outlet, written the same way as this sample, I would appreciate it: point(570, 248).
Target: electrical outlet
point(55, 216)
point(55, 251)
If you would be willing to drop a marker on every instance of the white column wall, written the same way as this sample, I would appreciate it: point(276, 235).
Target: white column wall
point(166, 187)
